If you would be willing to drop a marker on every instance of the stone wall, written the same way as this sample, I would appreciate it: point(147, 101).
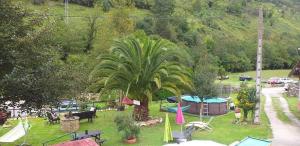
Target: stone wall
point(293, 90)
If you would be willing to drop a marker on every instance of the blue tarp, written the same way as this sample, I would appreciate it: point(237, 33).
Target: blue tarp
point(250, 141)
point(208, 100)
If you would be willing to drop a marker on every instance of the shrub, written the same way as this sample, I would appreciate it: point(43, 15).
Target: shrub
point(127, 127)
point(246, 100)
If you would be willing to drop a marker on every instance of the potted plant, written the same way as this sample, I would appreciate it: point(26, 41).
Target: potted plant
point(127, 127)
point(237, 113)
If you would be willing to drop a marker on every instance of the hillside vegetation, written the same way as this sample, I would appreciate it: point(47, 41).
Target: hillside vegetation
point(43, 47)
point(225, 28)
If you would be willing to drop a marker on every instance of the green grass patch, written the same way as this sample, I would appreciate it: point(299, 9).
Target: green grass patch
point(280, 114)
point(266, 74)
point(264, 119)
point(223, 129)
point(293, 102)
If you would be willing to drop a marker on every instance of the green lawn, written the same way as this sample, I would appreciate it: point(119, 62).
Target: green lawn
point(223, 129)
point(266, 74)
point(279, 112)
point(293, 102)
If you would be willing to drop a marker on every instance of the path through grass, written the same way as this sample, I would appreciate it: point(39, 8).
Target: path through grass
point(280, 114)
point(293, 102)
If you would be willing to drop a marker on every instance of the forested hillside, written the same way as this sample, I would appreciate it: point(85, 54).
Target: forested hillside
point(225, 28)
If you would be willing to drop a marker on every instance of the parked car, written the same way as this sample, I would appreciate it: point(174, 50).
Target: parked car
point(223, 77)
point(67, 105)
point(274, 80)
point(286, 80)
point(245, 78)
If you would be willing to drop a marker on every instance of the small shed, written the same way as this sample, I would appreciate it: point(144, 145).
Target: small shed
point(295, 71)
point(83, 142)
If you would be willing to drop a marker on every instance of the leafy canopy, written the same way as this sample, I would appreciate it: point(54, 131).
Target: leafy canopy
point(141, 66)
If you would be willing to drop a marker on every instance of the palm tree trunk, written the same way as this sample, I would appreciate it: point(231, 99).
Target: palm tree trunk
point(201, 110)
point(141, 112)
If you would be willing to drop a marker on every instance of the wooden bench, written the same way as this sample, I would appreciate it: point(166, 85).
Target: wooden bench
point(186, 135)
point(85, 115)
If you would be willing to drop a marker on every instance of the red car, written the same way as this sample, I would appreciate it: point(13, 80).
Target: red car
point(274, 80)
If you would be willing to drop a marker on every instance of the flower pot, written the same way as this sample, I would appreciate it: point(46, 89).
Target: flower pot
point(130, 141)
point(237, 110)
point(238, 115)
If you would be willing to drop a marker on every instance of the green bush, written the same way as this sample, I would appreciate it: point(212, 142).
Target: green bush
point(127, 127)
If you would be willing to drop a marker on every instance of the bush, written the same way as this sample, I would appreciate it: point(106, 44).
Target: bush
point(127, 127)
point(142, 4)
point(246, 99)
point(38, 2)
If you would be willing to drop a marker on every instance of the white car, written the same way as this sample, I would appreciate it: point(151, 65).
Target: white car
point(285, 80)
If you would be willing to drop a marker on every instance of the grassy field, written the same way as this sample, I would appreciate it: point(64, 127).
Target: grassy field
point(223, 129)
point(280, 114)
point(266, 74)
point(293, 102)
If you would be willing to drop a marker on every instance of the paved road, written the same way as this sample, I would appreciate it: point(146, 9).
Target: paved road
point(283, 134)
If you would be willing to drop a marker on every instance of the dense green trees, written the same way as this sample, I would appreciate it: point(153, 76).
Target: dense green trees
point(163, 10)
point(230, 36)
point(31, 71)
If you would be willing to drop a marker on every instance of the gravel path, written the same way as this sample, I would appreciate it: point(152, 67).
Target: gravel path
point(283, 134)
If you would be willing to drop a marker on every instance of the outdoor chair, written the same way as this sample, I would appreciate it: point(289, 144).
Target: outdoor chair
point(94, 110)
point(201, 125)
point(182, 136)
point(52, 119)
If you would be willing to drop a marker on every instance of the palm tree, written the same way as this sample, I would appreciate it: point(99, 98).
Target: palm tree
point(142, 66)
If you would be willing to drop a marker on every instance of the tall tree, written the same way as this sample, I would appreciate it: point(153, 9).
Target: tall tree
point(205, 73)
point(142, 66)
point(91, 33)
point(31, 67)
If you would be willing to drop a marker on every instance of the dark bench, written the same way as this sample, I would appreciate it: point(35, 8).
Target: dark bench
point(85, 115)
point(87, 134)
point(179, 136)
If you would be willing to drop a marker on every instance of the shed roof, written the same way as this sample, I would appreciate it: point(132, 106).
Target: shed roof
point(83, 142)
point(295, 71)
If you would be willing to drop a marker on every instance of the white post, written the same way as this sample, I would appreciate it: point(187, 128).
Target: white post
point(259, 65)
point(298, 50)
point(299, 94)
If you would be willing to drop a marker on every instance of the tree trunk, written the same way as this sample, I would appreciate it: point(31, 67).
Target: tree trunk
point(245, 114)
point(201, 110)
point(141, 112)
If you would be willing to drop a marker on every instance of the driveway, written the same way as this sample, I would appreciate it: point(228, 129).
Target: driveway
point(283, 134)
